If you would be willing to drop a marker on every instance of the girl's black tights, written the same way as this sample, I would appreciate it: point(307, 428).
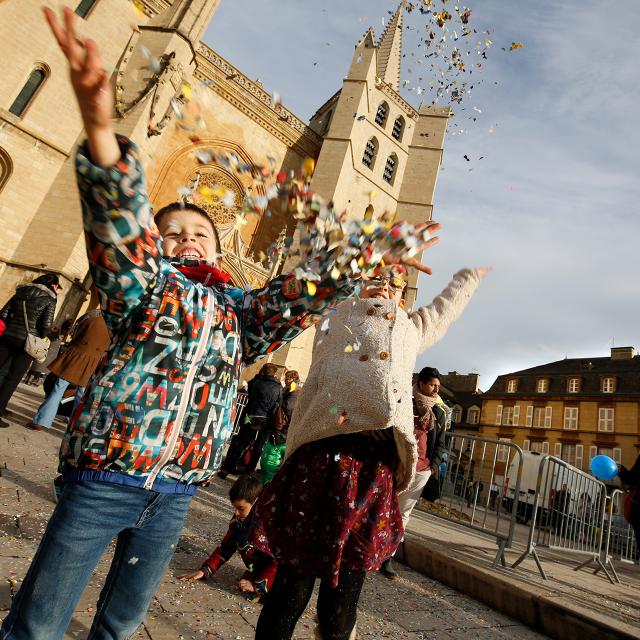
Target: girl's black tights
point(290, 594)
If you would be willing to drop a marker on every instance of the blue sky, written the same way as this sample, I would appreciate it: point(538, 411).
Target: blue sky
point(553, 205)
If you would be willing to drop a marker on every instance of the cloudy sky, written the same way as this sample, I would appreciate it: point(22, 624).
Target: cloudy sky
point(553, 205)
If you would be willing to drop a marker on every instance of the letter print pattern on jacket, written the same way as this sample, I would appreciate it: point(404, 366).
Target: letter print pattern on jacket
point(131, 414)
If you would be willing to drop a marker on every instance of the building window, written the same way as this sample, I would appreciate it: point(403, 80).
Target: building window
point(573, 386)
point(538, 417)
point(503, 452)
point(510, 416)
point(456, 414)
point(568, 454)
point(6, 167)
point(370, 152)
point(605, 419)
point(473, 415)
point(615, 453)
point(539, 446)
point(29, 91)
point(85, 7)
point(382, 114)
point(608, 385)
point(390, 168)
point(512, 386)
point(571, 418)
point(542, 385)
point(398, 129)
point(327, 122)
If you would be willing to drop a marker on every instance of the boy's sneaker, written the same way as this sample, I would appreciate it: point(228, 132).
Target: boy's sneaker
point(4, 424)
point(387, 570)
point(34, 427)
point(57, 488)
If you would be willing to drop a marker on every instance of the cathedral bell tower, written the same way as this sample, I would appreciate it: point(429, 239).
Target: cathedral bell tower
point(379, 153)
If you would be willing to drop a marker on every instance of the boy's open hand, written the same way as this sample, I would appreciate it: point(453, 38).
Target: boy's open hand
point(91, 85)
point(431, 228)
point(192, 575)
point(89, 79)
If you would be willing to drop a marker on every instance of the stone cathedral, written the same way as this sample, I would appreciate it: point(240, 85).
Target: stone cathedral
point(374, 151)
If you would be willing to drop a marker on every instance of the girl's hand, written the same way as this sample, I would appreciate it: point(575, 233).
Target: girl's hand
point(91, 85)
point(192, 575)
point(431, 228)
point(246, 586)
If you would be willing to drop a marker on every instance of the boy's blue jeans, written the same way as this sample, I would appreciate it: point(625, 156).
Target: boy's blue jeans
point(87, 517)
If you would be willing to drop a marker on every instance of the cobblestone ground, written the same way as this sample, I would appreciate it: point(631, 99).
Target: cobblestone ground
point(412, 607)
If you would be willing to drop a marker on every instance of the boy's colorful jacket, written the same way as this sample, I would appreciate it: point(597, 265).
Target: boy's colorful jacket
point(261, 567)
point(159, 409)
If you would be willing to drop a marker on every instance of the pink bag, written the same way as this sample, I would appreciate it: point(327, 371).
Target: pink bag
point(3, 327)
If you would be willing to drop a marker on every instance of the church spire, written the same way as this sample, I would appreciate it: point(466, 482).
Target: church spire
point(390, 49)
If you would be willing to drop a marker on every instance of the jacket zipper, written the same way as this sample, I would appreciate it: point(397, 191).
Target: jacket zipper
point(186, 393)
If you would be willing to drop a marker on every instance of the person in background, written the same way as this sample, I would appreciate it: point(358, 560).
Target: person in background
point(265, 396)
point(292, 387)
point(560, 508)
point(631, 477)
point(76, 364)
point(431, 418)
point(29, 311)
point(276, 442)
point(261, 567)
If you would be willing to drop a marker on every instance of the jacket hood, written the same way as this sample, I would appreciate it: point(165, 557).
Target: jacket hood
point(32, 291)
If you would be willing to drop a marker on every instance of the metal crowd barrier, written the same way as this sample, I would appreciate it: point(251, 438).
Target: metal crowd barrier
point(619, 541)
point(241, 402)
point(475, 485)
point(568, 515)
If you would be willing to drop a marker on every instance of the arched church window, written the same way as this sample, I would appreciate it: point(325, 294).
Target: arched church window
point(398, 128)
point(370, 152)
point(390, 168)
point(6, 167)
point(84, 7)
point(382, 114)
point(327, 121)
point(29, 90)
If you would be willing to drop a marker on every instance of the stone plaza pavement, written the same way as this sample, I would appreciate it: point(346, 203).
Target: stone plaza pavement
point(412, 607)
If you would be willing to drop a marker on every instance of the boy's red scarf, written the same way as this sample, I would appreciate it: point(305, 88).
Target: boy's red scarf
point(200, 271)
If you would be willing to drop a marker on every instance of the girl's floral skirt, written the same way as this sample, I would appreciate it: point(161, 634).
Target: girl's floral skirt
point(332, 506)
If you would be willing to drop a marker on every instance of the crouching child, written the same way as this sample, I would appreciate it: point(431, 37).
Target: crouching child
point(261, 567)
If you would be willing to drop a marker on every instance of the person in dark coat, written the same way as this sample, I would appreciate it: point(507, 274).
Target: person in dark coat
point(292, 386)
point(631, 477)
point(38, 300)
point(431, 418)
point(265, 396)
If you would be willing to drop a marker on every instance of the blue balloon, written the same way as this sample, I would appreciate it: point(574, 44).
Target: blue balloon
point(604, 468)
